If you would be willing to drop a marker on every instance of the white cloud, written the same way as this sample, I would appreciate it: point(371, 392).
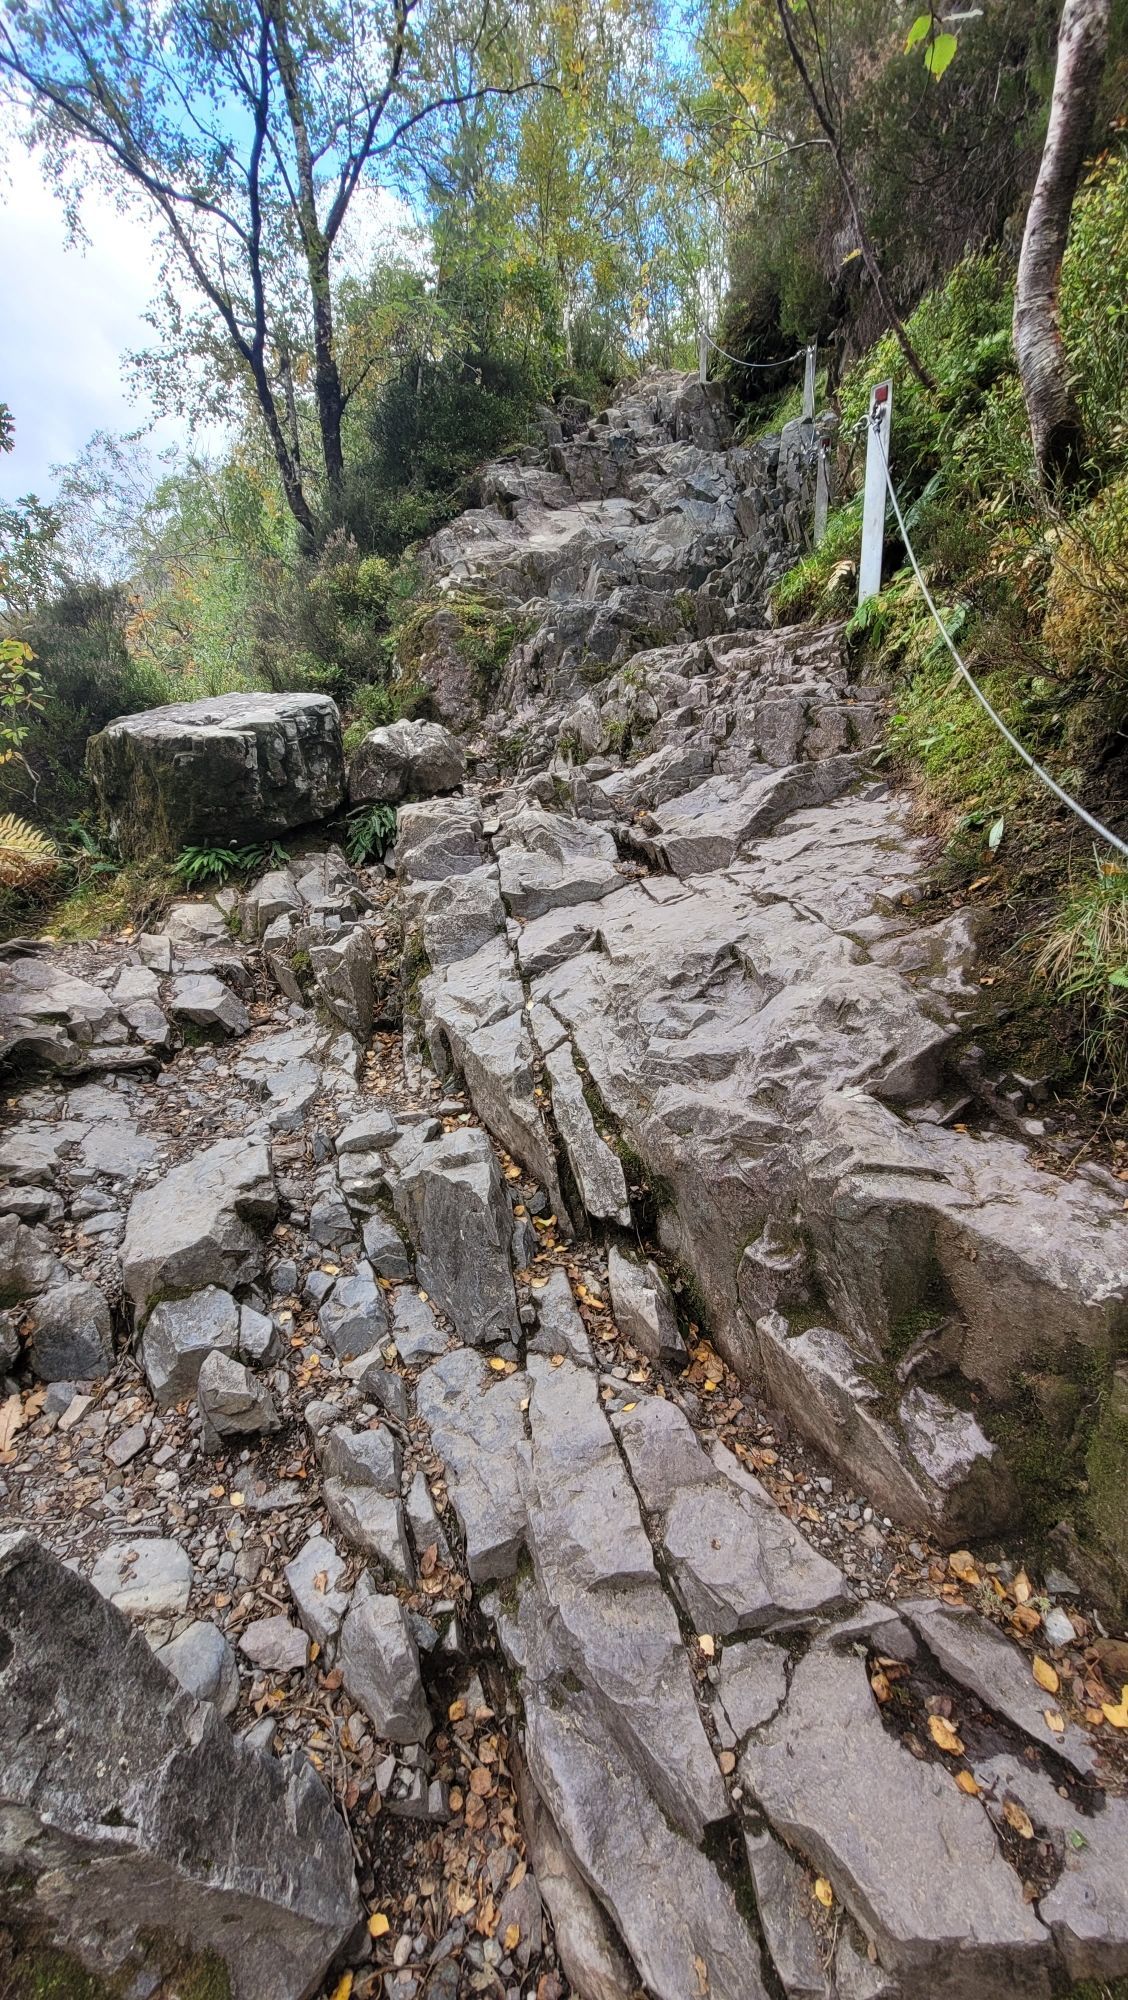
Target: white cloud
point(73, 310)
point(70, 314)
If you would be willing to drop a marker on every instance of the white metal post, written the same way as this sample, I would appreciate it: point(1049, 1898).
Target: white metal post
point(822, 490)
point(702, 356)
point(809, 382)
point(878, 443)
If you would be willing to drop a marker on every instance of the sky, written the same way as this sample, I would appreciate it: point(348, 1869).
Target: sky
point(72, 312)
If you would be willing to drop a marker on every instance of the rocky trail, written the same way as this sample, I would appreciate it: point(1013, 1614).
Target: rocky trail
point(524, 1362)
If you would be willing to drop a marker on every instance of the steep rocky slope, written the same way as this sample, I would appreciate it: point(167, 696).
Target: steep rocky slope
point(531, 1331)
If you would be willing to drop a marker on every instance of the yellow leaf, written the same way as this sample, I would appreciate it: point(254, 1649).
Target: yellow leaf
point(1045, 1675)
point(343, 1987)
point(824, 1894)
point(1054, 1721)
point(499, 1366)
point(967, 1784)
point(944, 1736)
point(629, 1406)
point(961, 1564)
point(237, 1499)
point(456, 1711)
point(880, 1684)
point(378, 1925)
point(512, 1937)
point(1117, 1712)
point(707, 1644)
point(1018, 1819)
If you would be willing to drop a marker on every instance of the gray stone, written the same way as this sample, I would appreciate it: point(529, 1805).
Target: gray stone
point(552, 862)
point(231, 768)
point(344, 973)
point(272, 896)
point(70, 1333)
point(258, 1337)
point(204, 1664)
point(233, 1402)
point(126, 1445)
point(784, 1902)
point(372, 1132)
point(835, 1786)
point(179, 1334)
point(382, 1384)
point(426, 1528)
point(980, 1657)
point(379, 1663)
point(478, 1428)
point(452, 1198)
point(201, 1223)
point(329, 1220)
point(751, 1684)
point(414, 1329)
point(316, 1579)
point(221, 1850)
point(1087, 1907)
point(404, 760)
point(643, 1307)
point(373, 1523)
point(560, 1329)
point(590, 1953)
point(28, 1265)
point(354, 1317)
point(737, 1563)
point(385, 1249)
point(362, 1458)
point(148, 1578)
point(275, 1643)
point(597, 1170)
point(205, 1001)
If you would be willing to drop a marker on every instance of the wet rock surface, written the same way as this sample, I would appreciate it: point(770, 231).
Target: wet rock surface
point(565, 1419)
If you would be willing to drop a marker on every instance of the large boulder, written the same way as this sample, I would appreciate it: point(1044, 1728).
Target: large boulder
point(235, 768)
point(127, 1808)
point(405, 760)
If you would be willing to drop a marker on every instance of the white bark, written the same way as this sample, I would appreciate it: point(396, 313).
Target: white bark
point(1051, 402)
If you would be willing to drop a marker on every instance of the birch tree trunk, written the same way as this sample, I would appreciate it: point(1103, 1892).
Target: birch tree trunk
point(1051, 401)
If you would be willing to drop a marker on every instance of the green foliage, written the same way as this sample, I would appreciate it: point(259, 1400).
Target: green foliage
point(20, 692)
point(1084, 957)
point(198, 867)
point(371, 831)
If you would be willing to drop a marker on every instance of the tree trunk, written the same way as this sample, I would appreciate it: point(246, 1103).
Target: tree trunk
point(326, 375)
point(1051, 402)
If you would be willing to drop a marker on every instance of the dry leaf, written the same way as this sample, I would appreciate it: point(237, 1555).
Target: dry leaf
point(11, 1420)
point(702, 1971)
point(880, 1685)
point(481, 1783)
point(512, 1937)
point(824, 1894)
point(1046, 1676)
point(1017, 1818)
point(727, 1762)
point(1117, 1712)
point(378, 1925)
point(707, 1644)
point(966, 1783)
point(962, 1564)
point(944, 1736)
point(343, 1987)
point(1054, 1721)
point(1025, 1619)
point(1021, 1588)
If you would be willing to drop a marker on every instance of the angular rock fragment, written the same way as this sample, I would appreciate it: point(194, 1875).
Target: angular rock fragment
point(590, 1951)
point(148, 1578)
point(416, 1333)
point(275, 1643)
point(379, 1661)
point(597, 1170)
point(201, 1223)
point(751, 1684)
point(203, 1661)
point(426, 1528)
point(453, 1200)
point(785, 1903)
point(560, 1329)
point(178, 1336)
point(354, 1317)
point(404, 760)
point(737, 1563)
point(372, 1523)
point(316, 1579)
point(643, 1307)
point(206, 1002)
point(980, 1657)
point(385, 1249)
point(834, 1784)
point(478, 1429)
point(363, 1458)
point(128, 1807)
point(233, 1402)
point(71, 1333)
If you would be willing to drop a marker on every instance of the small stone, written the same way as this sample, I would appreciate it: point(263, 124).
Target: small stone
point(385, 1249)
point(380, 1666)
point(145, 1578)
point(233, 1403)
point(126, 1445)
point(71, 1333)
point(204, 1663)
point(363, 1458)
point(276, 1644)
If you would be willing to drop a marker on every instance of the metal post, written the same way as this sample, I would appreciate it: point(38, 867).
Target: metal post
point(879, 435)
point(702, 356)
point(809, 382)
point(822, 490)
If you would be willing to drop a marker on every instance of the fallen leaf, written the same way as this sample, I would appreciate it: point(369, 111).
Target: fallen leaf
point(1054, 1721)
point(512, 1937)
point(966, 1783)
point(343, 1987)
point(824, 1894)
point(1021, 1588)
point(238, 1499)
point(1017, 1818)
point(944, 1736)
point(11, 1420)
point(880, 1685)
point(727, 1762)
point(481, 1783)
point(378, 1925)
point(1025, 1619)
point(1117, 1712)
point(1046, 1676)
point(708, 1645)
point(962, 1564)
